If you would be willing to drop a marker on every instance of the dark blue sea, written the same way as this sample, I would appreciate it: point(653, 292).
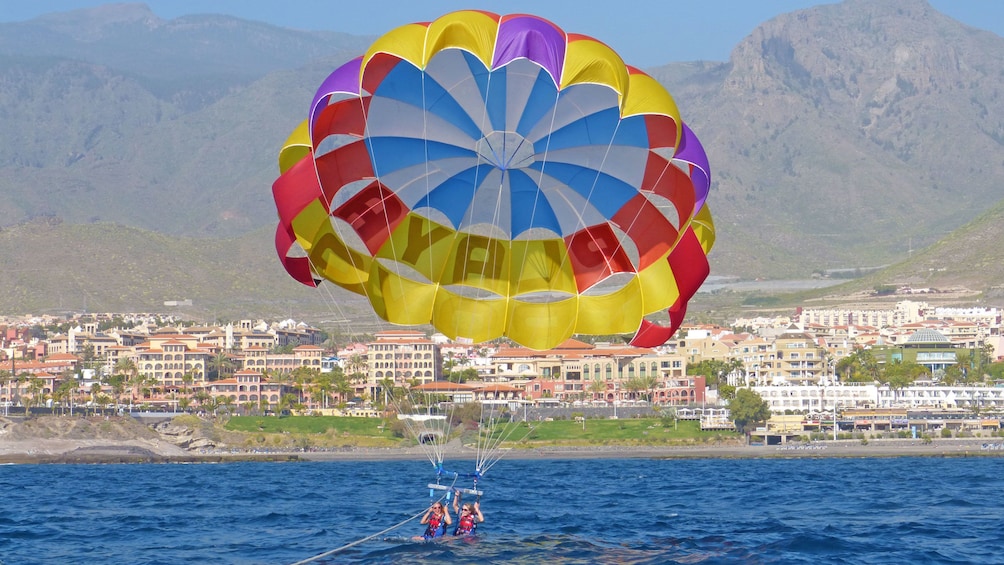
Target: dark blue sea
point(625, 511)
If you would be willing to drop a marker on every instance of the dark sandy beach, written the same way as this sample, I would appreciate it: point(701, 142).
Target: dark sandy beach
point(27, 451)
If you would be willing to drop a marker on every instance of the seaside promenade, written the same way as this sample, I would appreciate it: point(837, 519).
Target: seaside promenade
point(43, 450)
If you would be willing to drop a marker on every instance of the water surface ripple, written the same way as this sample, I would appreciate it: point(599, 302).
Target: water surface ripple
point(624, 511)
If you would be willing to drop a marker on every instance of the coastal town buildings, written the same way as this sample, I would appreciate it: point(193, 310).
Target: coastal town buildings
point(791, 361)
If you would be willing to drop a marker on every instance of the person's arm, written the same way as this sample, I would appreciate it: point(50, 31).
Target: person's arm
point(456, 501)
point(425, 518)
point(477, 512)
point(446, 516)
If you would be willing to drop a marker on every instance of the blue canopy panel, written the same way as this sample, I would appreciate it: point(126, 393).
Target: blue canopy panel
point(573, 104)
point(422, 92)
point(514, 97)
point(391, 154)
point(492, 90)
point(604, 192)
point(530, 209)
point(454, 196)
point(532, 96)
point(602, 128)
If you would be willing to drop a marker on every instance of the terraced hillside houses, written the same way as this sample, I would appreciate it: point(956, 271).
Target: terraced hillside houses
point(793, 362)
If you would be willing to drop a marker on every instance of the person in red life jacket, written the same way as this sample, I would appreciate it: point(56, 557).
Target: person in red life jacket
point(436, 519)
point(468, 517)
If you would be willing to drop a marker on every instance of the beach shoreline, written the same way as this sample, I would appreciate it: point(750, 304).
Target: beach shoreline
point(54, 451)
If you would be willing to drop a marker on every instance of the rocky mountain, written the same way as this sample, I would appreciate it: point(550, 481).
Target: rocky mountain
point(112, 114)
point(847, 135)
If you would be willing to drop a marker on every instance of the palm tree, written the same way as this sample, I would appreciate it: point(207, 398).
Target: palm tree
point(5, 379)
point(127, 366)
point(598, 387)
point(634, 385)
point(899, 375)
point(343, 387)
point(287, 401)
point(95, 392)
point(321, 388)
point(650, 383)
point(103, 400)
point(187, 379)
point(228, 405)
point(36, 388)
point(387, 388)
point(64, 394)
point(218, 365)
point(860, 366)
point(303, 377)
point(118, 383)
point(202, 397)
point(735, 365)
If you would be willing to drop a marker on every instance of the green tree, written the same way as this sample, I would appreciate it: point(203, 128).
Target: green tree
point(64, 393)
point(126, 366)
point(996, 370)
point(859, 367)
point(899, 375)
point(219, 365)
point(343, 387)
point(103, 400)
point(6, 378)
point(712, 369)
point(748, 409)
point(117, 382)
point(323, 385)
point(287, 401)
point(953, 374)
point(634, 385)
point(726, 392)
point(36, 393)
point(228, 405)
point(649, 383)
point(87, 356)
point(187, 379)
point(598, 388)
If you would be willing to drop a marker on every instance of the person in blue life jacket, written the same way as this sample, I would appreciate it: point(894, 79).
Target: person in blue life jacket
point(468, 517)
point(436, 519)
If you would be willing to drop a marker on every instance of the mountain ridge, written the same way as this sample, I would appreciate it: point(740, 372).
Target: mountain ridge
point(841, 136)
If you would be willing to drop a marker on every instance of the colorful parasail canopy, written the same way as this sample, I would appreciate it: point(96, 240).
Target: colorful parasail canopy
point(495, 176)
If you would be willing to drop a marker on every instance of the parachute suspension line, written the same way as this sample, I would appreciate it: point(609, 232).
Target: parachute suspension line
point(369, 537)
point(502, 174)
point(326, 296)
point(334, 306)
point(540, 179)
point(638, 211)
point(596, 179)
point(428, 186)
point(490, 442)
point(428, 426)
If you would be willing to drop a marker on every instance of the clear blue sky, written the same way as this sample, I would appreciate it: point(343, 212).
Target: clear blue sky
point(684, 31)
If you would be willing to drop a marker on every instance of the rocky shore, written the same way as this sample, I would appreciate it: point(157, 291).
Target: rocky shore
point(124, 440)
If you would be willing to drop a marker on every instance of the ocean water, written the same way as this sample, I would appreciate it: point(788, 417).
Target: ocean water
point(625, 511)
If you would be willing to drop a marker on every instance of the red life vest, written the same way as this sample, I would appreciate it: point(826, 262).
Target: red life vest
point(436, 527)
point(465, 525)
